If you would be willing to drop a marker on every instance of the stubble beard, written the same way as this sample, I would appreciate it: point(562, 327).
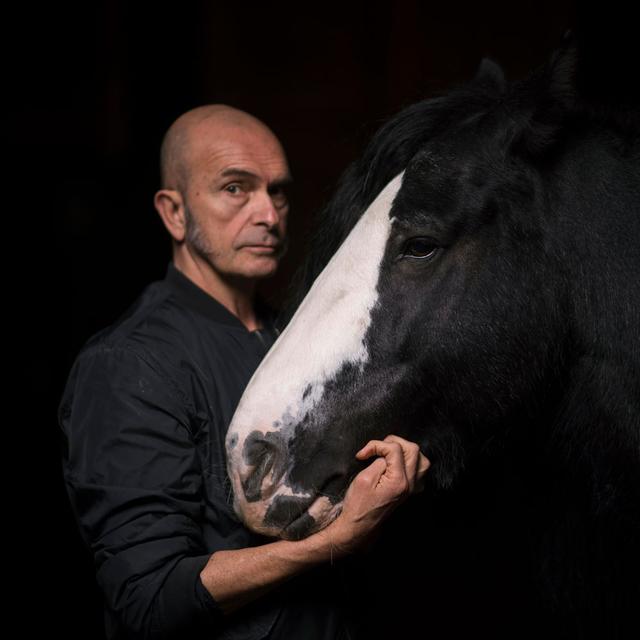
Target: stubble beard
point(195, 238)
point(201, 246)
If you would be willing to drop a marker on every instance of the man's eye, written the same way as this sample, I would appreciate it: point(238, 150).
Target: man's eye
point(232, 188)
point(279, 198)
point(420, 248)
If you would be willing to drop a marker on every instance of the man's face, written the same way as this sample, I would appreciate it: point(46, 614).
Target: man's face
point(235, 204)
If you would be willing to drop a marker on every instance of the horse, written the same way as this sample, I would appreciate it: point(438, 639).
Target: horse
point(473, 288)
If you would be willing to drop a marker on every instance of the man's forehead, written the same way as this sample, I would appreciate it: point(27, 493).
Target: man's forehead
point(241, 154)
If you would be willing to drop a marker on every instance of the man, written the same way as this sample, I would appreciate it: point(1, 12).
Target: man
point(149, 400)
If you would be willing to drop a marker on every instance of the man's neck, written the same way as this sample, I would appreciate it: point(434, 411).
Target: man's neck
point(237, 296)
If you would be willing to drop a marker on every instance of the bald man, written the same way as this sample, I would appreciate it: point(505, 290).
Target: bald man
point(224, 204)
point(149, 399)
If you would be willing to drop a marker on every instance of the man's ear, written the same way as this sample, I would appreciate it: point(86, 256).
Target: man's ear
point(170, 205)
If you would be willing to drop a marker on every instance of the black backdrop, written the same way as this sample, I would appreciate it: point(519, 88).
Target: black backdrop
point(89, 91)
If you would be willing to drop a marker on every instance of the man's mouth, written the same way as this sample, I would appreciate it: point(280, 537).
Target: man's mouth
point(262, 248)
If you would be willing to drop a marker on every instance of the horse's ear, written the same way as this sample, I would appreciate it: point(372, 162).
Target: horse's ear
point(543, 102)
point(490, 76)
point(562, 71)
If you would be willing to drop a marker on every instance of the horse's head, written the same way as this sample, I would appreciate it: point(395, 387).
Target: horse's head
point(440, 317)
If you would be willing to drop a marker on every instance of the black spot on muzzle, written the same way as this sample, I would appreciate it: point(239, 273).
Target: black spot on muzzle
point(288, 515)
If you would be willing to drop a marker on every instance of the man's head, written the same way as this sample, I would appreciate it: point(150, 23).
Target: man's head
point(222, 197)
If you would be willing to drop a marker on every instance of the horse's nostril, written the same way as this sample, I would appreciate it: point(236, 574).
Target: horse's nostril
point(263, 456)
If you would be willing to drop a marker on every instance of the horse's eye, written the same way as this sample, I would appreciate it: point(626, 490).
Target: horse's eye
point(420, 248)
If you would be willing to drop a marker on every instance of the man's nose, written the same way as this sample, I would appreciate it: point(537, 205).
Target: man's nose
point(264, 211)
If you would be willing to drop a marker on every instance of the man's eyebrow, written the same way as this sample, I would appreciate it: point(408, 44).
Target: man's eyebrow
point(281, 182)
point(240, 173)
point(236, 172)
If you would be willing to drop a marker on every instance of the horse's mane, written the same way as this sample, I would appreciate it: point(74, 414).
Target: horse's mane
point(526, 115)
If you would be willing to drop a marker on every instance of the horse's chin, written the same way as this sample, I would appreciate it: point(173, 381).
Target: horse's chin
point(319, 514)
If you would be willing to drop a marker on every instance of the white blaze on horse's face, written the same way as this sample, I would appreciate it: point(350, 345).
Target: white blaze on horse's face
point(326, 333)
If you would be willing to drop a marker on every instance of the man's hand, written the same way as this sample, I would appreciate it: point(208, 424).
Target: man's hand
point(397, 472)
point(235, 577)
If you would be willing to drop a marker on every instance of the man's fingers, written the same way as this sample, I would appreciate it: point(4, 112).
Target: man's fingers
point(390, 451)
point(416, 463)
point(372, 474)
point(393, 457)
point(410, 451)
point(403, 458)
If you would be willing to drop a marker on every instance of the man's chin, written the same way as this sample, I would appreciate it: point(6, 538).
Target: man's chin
point(261, 267)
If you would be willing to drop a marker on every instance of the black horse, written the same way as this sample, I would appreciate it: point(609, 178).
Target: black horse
point(478, 293)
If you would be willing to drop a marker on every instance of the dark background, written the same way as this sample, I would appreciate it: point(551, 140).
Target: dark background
point(89, 91)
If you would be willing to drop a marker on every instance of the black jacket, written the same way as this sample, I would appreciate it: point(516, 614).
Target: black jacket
point(144, 416)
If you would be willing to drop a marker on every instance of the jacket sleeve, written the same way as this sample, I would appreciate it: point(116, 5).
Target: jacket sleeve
point(134, 480)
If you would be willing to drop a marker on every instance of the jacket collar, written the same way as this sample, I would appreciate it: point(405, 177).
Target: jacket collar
point(192, 296)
